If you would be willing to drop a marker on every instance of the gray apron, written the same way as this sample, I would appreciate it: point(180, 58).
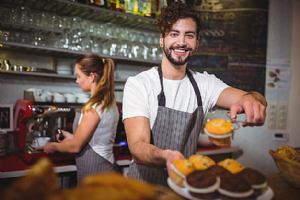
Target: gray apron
point(172, 129)
point(88, 162)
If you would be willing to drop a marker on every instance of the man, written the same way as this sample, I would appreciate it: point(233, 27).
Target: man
point(164, 107)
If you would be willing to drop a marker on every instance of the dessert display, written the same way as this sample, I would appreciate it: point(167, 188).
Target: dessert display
point(227, 179)
point(219, 131)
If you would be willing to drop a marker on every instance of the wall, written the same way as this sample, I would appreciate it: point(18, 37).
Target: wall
point(294, 98)
point(283, 50)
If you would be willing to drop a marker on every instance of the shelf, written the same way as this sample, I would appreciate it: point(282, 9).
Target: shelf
point(71, 53)
point(47, 75)
point(89, 12)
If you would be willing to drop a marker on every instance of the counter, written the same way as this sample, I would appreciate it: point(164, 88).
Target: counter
point(282, 190)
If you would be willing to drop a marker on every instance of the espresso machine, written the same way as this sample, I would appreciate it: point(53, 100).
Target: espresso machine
point(35, 121)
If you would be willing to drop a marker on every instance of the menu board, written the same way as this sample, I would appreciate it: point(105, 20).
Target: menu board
point(233, 41)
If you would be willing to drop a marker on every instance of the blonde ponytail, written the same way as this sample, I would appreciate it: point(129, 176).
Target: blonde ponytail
point(104, 68)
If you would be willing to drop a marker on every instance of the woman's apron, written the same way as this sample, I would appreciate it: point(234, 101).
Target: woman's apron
point(172, 129)
point(88, 162)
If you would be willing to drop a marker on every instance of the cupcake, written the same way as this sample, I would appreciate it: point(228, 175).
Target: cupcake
point(219, 131)
point(218, 170)
point(256, 179)
point(201, 182)
point(179, 170)
point(234, 186)
point(231, 165)
point(201, 162)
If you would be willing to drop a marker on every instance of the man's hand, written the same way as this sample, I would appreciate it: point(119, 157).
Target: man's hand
point(253, 105)
point(170, 156)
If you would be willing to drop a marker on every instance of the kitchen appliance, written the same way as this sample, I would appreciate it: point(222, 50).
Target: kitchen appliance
point(33, 121)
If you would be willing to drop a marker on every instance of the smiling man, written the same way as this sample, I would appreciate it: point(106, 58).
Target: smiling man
point(165, 106)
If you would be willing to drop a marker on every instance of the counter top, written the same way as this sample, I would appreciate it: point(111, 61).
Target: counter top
point(12, 166)
point(281, 189)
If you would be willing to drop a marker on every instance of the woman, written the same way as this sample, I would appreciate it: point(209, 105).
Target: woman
point(94, 137)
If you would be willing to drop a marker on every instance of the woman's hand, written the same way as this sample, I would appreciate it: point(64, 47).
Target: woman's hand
point(66, 136)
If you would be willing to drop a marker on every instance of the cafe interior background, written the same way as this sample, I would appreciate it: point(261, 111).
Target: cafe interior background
point(43, 46)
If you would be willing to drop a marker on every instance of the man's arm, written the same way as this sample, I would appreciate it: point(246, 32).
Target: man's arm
point(253, 104)
point(138, 138)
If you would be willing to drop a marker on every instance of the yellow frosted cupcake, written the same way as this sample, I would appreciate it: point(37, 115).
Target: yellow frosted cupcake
point(231, 165)
point(179, 170)
point(201, 162)
point(219, 126)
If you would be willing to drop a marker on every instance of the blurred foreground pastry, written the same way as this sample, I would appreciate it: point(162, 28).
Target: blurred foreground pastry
point(41, 183)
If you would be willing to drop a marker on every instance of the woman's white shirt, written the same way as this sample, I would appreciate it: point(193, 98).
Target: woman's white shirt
point(104, 136)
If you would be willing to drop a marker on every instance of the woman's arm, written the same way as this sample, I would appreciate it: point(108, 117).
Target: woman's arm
point(84, 132)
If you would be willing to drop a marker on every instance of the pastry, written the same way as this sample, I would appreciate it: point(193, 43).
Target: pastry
point(256, 179)
point(201, 181)
point(201, 162)
point(179, 169)
point(234, 186)
point(231, 165)
point(219, 131)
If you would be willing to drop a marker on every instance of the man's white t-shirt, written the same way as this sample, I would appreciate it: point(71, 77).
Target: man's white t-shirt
point(141, 91)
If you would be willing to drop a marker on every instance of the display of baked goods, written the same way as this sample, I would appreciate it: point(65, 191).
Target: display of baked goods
point(287, 160)
point(226, 179)
point(41, 183)
point(219, 131)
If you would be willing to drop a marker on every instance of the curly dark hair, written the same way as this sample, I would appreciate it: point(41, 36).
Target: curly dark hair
point(173, 12)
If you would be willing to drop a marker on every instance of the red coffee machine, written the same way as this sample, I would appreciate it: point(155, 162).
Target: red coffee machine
point(33, 121)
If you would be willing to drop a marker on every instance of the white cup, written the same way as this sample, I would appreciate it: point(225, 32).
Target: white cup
point(40, 141)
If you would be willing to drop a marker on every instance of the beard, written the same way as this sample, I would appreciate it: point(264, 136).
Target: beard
point(180, 60)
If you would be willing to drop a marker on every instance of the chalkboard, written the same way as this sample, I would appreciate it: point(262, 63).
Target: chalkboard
point(233, 41)
point(6, 117)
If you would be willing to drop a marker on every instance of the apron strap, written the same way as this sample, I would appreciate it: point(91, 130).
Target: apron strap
point(195, 86)
point(161, 96)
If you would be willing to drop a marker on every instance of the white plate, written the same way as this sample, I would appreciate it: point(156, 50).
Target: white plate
point(267, 195)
